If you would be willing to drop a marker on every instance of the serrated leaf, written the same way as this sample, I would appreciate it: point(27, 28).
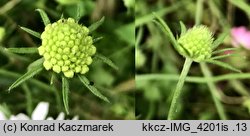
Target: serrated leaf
point(106, 60)
point(224, 65)
point(36, 63)
point(23, 50)
point(219, 40)
point(183, 28)
point(223, 50)
point(26, 76)
point(94, 90)
point(95, 25)
point(95, 40)
point(44, 16)
point(65, 93)
point(32, 32)
point(167, 30)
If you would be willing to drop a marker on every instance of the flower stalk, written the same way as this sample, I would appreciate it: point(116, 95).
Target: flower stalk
point(178, 89)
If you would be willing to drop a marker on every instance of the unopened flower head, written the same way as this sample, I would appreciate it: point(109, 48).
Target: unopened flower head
point(196, 43)
point(66, 47)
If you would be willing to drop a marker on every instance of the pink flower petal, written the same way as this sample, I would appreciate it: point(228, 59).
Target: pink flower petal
point(240, 37)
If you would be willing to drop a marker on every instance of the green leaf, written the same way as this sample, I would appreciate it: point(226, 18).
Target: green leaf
point(23, 50)
point(36, 63)
point(26, 76)
point(32, 32)
point(95, 40)
point(65, 93)
point(94, 26)
point(224, 56)
point(5, 52)
point(44, 16)
point(224, 65)
point(220, 39)
point(223, 50)
point(167, 30)
point(94, 90)
point(183, 28)
point(106, 60)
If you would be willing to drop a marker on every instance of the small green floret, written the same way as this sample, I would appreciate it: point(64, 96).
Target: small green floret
point(196, 43)
point(66, 47)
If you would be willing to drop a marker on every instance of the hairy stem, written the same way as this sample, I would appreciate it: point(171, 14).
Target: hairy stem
point(178, 89)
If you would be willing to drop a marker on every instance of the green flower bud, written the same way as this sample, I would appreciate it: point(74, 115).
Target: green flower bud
point(196, 43)
point(64, 43)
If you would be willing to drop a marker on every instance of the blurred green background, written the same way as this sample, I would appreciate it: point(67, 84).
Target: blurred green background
point(117, 44)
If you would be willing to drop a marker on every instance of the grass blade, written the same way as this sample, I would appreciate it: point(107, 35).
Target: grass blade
point(224, 65)
point(106, 60)
point(65, 93)
point(44, 17)
point(94, 26)
point(219, 40)
point(23, 50)
point(26, 76)
point(94, 90)
point(32, 32)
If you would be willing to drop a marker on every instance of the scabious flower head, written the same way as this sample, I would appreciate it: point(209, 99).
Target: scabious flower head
point(196, 43)
point(240, 37)
point(66, 47)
